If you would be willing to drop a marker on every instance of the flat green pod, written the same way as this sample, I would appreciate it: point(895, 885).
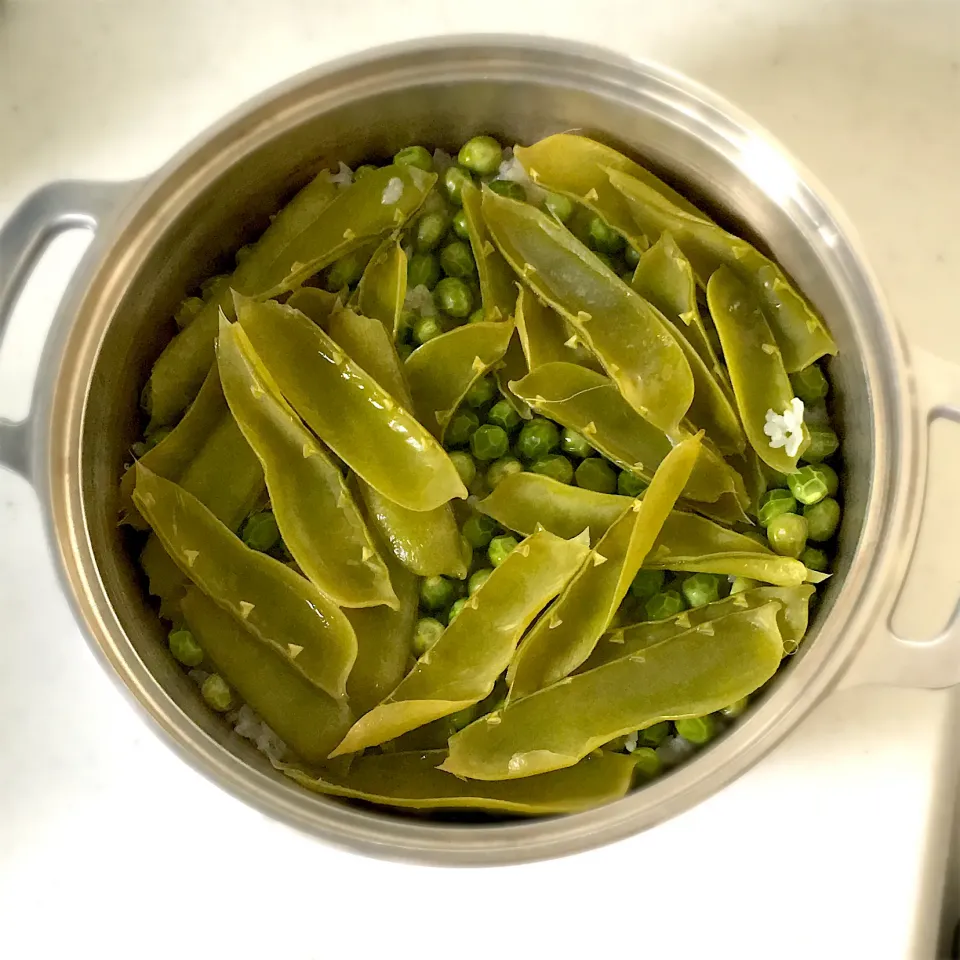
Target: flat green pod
point(308, 721)
point(801, 335)
point(546, 337)
point(316, 304)
point(625, 333)
point(348, 410)
point(285, 611)
point(383, 286)
point(316, 514)
point(461, 668)
point(498, 289)
point(415, 781)
point(695, 673)
point(513, 367)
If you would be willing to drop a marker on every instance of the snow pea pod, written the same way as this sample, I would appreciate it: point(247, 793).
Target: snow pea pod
point(546, 337)
point(319, 521)
point(760, 381)
point(383, 286)
point(309, 721)
point(285, 611)
point(441, 372)
point(693, 674)
point(792, 620)
point(590, 403)
point(498, 287)
point(513, 367)
point(800, 333)
point(626, 334)
point(348, 410)
point(567, 633)
point(319, 226)
point(770, 568)
point(415, 780)
point(461, 667)
point(316, 304)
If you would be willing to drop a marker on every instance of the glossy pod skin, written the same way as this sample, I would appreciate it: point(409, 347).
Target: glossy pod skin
point(319, 521)
point(800, 333)
point(461, 667)
point(626, 334)
point(760, 381)
point(414, 780)
point(546, 337)
point(498, 287)
point(348, 410)
point(286, 612)
point(316, 304)
point(567, 633)
point(307, 720)
point(383, 286)
point(693, 674)
point(442, 371)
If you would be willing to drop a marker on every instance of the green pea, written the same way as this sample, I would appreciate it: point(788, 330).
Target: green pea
point(828, 475)
point(154, 437)
point(813, 558)
point(558, 206)
point(503, 415)
point(138, 449)
point(742, 584)
point(217, 693)
point(574, 444)
point(655, 734)
point(478, 316)
point(509, 189)
point(501, 469)
point(807, 485)
point(455, 608)
point(431, 228)
point(426, 328)
point(184, 647)
point(823, 443)
point(481, 154)
point(478, 530)
point(537, 438)
point(602, 237)
point(426, 634)
point(453, 296)
point(481, 392)
point(466, 466)
point(775, 503)
point(736, 709)
point(666, 603)
point(788, 535)
point(756, 536)
point(701, 588)
point(822, 518)
point(500, 548)
point(489, 442)
point(346, 272)
point(456, 260)
point(404, 350)
point(454, 179)
point(478, 579)
point(631, 255)
point(461, 428)
point(365, 169)
point(595, 473)
point(646, 584)
point(630, 485)
point(459, 225)
point(647, 762)
point(414, 157)
point(423, 270)
point(436, 593)
point(697, 730)
point(556, 466)
point(261, 532)
point(810, 385)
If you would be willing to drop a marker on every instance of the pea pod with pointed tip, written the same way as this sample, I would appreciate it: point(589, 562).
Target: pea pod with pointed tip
point(546, 337)
point(383, 286)
point(348, 410)
point(800, 333)
point(319, 521)
point(461, 668)
point(565, 636)
point(690, 675)
point(498, 289)
point(316, 304)
point(625, 333)
point(415, 781)
point(308, 721)
point(285, 611)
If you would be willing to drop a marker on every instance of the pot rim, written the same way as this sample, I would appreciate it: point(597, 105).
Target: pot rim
point(85, 315)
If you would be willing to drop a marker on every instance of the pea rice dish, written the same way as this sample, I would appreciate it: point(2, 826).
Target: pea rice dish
point(492, 482)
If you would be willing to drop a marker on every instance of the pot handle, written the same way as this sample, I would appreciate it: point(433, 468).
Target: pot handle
point(888, 658)
point(53, 209)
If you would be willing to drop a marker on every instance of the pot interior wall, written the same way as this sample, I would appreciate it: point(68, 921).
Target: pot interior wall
point(277, 148)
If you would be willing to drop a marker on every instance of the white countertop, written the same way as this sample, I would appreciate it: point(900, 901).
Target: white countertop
point(110, 847)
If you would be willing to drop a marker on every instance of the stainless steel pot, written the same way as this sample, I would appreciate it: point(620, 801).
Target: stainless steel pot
point(157, 238)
